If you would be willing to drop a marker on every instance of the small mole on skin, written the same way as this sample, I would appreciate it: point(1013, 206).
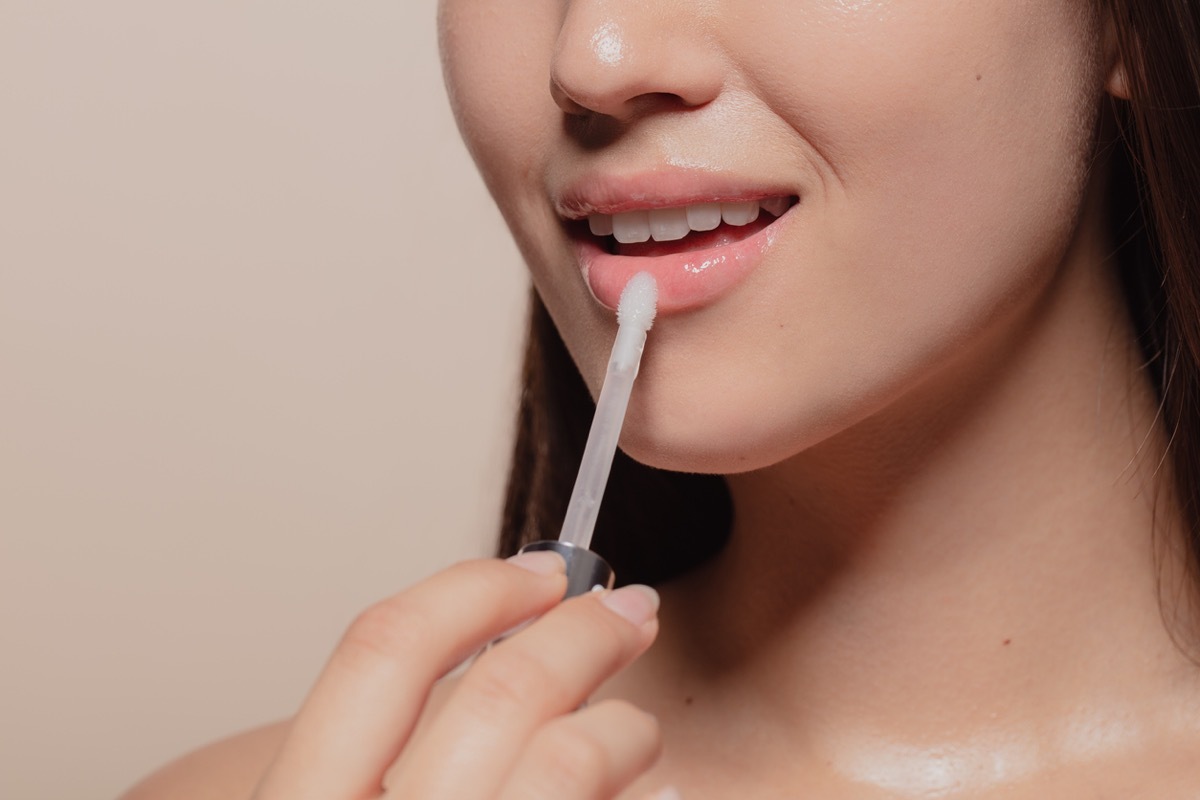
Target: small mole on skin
point(687, 701)
point(978, 77)
point(1007, 642)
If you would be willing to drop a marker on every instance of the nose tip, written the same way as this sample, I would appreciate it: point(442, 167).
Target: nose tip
point(621, 65)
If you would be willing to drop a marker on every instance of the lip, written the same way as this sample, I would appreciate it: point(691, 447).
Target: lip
point(614, 194)
point(686, 280)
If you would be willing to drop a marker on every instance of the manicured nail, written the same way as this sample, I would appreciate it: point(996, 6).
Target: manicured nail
point(543, 562)
point(636, 603)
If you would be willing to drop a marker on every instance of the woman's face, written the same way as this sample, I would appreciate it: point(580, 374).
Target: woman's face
point(927, 160)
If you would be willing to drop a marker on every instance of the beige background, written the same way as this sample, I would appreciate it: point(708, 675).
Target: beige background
point(258, 334)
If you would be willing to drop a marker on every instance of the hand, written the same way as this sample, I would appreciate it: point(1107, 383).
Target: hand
point(509, 729)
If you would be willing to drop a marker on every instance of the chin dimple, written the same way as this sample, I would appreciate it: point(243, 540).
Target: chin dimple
point(673, 224)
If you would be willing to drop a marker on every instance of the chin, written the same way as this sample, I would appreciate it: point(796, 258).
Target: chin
point(739, 418)
point(720, 439)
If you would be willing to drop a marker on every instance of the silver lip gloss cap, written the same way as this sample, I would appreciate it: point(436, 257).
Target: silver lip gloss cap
point(586, 571)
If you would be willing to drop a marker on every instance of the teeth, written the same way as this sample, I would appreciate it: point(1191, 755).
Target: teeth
point(775, 206)
point(669, 224)
point(631, 227)
point(673, 224)
point(600, 224)
point(739, 213)
point(704, 217)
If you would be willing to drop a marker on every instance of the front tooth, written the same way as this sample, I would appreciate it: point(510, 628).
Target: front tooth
point(704, 217)
point(600, 224)
point(668, 224)
point(631, 227)
point(775, 206)
point(739, 213)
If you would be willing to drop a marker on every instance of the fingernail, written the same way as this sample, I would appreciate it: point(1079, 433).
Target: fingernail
point(543, 562)
point(636, 603)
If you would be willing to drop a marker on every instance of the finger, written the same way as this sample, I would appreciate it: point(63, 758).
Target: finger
point(366, 701)
point(544, 671)
point(592, 754)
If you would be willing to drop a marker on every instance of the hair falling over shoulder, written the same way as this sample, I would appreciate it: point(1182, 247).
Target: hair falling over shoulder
point(656, 524)
point(1155, 213)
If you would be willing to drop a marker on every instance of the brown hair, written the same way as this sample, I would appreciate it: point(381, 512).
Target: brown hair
point(1155, 214)
point(656, 524)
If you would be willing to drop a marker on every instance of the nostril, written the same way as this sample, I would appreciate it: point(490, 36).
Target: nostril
point(592, 131)
point(657, 101)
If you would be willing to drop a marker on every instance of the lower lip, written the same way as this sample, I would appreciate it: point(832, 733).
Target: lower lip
point(686, 281)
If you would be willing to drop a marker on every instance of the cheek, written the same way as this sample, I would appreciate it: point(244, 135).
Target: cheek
point(960, 115)
point(495, 59)
point(964, 173)
point(950, 145)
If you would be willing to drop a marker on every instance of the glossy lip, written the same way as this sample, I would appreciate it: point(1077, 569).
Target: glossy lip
point(686, 280)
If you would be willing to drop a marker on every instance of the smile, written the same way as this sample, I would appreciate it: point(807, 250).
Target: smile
point(698, 247)
point(676, 223)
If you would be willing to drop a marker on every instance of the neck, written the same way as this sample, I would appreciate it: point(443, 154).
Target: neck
point(981, 570)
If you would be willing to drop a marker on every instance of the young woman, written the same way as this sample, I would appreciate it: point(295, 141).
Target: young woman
point(914, 456)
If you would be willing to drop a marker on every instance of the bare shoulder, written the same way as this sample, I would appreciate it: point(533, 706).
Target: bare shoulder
point(225, 770)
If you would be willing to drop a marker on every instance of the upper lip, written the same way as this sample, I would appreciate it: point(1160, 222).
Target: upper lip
point(615, 194)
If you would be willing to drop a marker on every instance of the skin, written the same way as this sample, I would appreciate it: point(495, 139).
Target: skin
point(955, 569)
point(382, 722)
point(941, 451)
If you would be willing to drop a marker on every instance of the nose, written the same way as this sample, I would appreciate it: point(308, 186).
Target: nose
point(625, 58)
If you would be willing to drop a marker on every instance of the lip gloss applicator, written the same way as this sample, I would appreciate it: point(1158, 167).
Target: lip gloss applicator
point(586, 571)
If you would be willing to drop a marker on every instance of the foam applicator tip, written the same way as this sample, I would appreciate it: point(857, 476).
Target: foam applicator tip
point(639, 302)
